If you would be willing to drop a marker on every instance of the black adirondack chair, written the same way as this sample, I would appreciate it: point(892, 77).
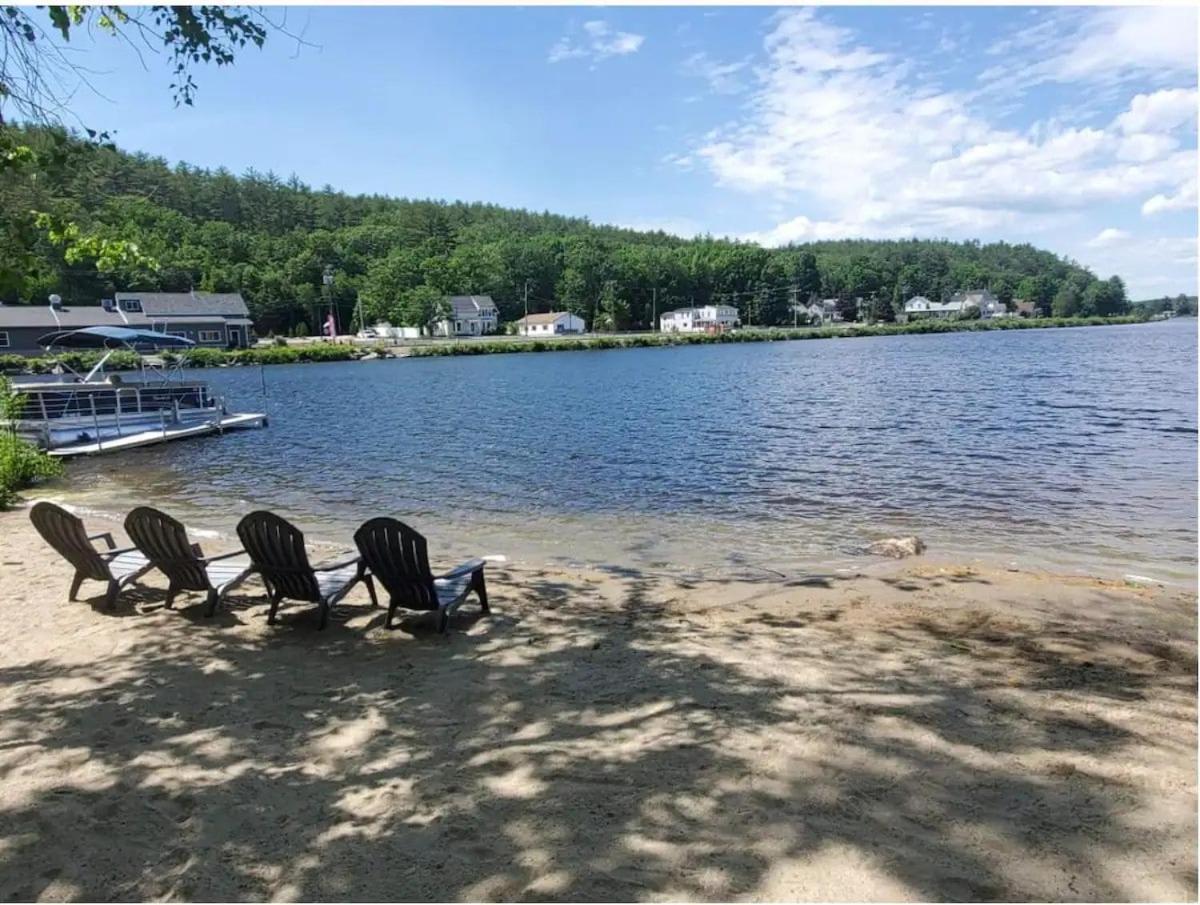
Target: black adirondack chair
point(64, 532)
point(165, 543)
point(398, 556)
point(277, 552)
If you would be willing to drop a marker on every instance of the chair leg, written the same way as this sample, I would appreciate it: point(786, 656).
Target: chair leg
point(371, 590)
point(391, 612)
point(443, 621)
point(324, 615)
point(110, 597)
point(480, 587)
point(171, 592)
point(75, 583)
point(213, 599)
point(274, 608)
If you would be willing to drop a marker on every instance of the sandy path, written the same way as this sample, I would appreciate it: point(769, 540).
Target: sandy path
point(921, 732)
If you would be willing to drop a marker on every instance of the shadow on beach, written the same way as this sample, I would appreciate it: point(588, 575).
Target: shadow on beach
point(589, 741)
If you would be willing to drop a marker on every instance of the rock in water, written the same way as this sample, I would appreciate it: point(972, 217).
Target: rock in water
point(897, 547)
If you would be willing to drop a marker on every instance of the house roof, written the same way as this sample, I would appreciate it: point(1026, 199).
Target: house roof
point(470, 305)
point(191, 307)
point(693, 310)
point(548, 317)
point(974, 297)
point(68, 316)
point(168, 304)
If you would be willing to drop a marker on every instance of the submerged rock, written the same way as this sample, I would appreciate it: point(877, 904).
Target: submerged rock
point(897, 547)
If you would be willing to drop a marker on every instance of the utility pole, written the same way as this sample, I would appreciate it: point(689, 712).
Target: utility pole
point(327, 280)
point(795, 306)
point(654, 310)
point(527, 304)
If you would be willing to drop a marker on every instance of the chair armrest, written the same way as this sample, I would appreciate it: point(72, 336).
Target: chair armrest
point(341, 564)
point(107, 537)
point(122, 550)
point(469, 567)
point(224, 555)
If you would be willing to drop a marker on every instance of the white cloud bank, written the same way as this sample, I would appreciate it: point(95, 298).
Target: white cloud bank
point(856, 134)
point(598, 42)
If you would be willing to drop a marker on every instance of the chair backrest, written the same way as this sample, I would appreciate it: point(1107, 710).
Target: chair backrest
point(276, 548)
point(165, 542)
point(64, 532)
point(397, 555)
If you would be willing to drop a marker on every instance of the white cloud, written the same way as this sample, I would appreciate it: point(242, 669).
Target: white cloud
point(1107, 237)
point(599, 41)
point(864, 145)
point(1100, 46)
point(722, 78)
point(1162, 111)
point(1181, 200)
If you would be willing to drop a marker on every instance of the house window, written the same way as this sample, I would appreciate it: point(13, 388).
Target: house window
point(3, 339)
point(210, 336)
point(131, 305)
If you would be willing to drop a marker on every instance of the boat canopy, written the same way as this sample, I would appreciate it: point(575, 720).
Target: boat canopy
point(108, 337)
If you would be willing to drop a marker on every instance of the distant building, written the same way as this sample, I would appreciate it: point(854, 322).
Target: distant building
point(552, 323)
point(704, 319)
point(1025, 308)
point(384, 330)
point(212, 319)
point(919, 307)
point(470, 315)
point(989, 306)
point(821, 312)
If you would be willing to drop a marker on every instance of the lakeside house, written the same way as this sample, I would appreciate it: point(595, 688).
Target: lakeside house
point(1025, 308)
point(470, 315)
point(702, 319)
point(217, 320)
point(552, 323)
point(989, 306)
point(820, 312)
point(920, 307)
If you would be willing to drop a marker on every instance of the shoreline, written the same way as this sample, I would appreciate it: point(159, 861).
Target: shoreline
point(925, 731)
point(314, 351)
point(530, 554)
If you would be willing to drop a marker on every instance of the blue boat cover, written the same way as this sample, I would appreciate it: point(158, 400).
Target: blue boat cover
point(113, 338)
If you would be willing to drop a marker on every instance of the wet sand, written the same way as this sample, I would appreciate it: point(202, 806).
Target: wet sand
point(921, 730)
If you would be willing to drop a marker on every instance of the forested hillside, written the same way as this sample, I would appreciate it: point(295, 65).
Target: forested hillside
point(272, 239)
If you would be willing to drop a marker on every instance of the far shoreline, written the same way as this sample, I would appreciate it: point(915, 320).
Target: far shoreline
point(312, 350)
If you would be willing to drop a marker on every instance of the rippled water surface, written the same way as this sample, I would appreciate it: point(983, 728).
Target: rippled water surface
point(1071, 447)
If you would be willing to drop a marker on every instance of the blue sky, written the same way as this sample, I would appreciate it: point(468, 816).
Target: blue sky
point(1070, 128)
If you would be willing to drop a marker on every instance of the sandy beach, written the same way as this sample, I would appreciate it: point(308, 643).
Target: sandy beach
point(922, 730)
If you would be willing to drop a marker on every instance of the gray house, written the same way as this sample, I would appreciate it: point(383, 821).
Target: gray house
point(218, 320)
point(470, 315)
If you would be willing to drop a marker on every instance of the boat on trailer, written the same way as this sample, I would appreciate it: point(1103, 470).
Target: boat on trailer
point(72, 414)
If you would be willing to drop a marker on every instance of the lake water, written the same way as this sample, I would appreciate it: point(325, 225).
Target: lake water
point(1074, 448)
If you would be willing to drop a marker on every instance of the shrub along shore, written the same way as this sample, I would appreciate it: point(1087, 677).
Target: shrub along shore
point(310, 352)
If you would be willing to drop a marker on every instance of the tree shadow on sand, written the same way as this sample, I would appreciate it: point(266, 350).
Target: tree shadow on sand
point(575, 746)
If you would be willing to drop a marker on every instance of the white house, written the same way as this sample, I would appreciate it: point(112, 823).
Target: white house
point(552, 323)
point(470, 315)
point(385, 330)
point(821, 312)
point(989, 306)
point(918, 306)
point(704, 319)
